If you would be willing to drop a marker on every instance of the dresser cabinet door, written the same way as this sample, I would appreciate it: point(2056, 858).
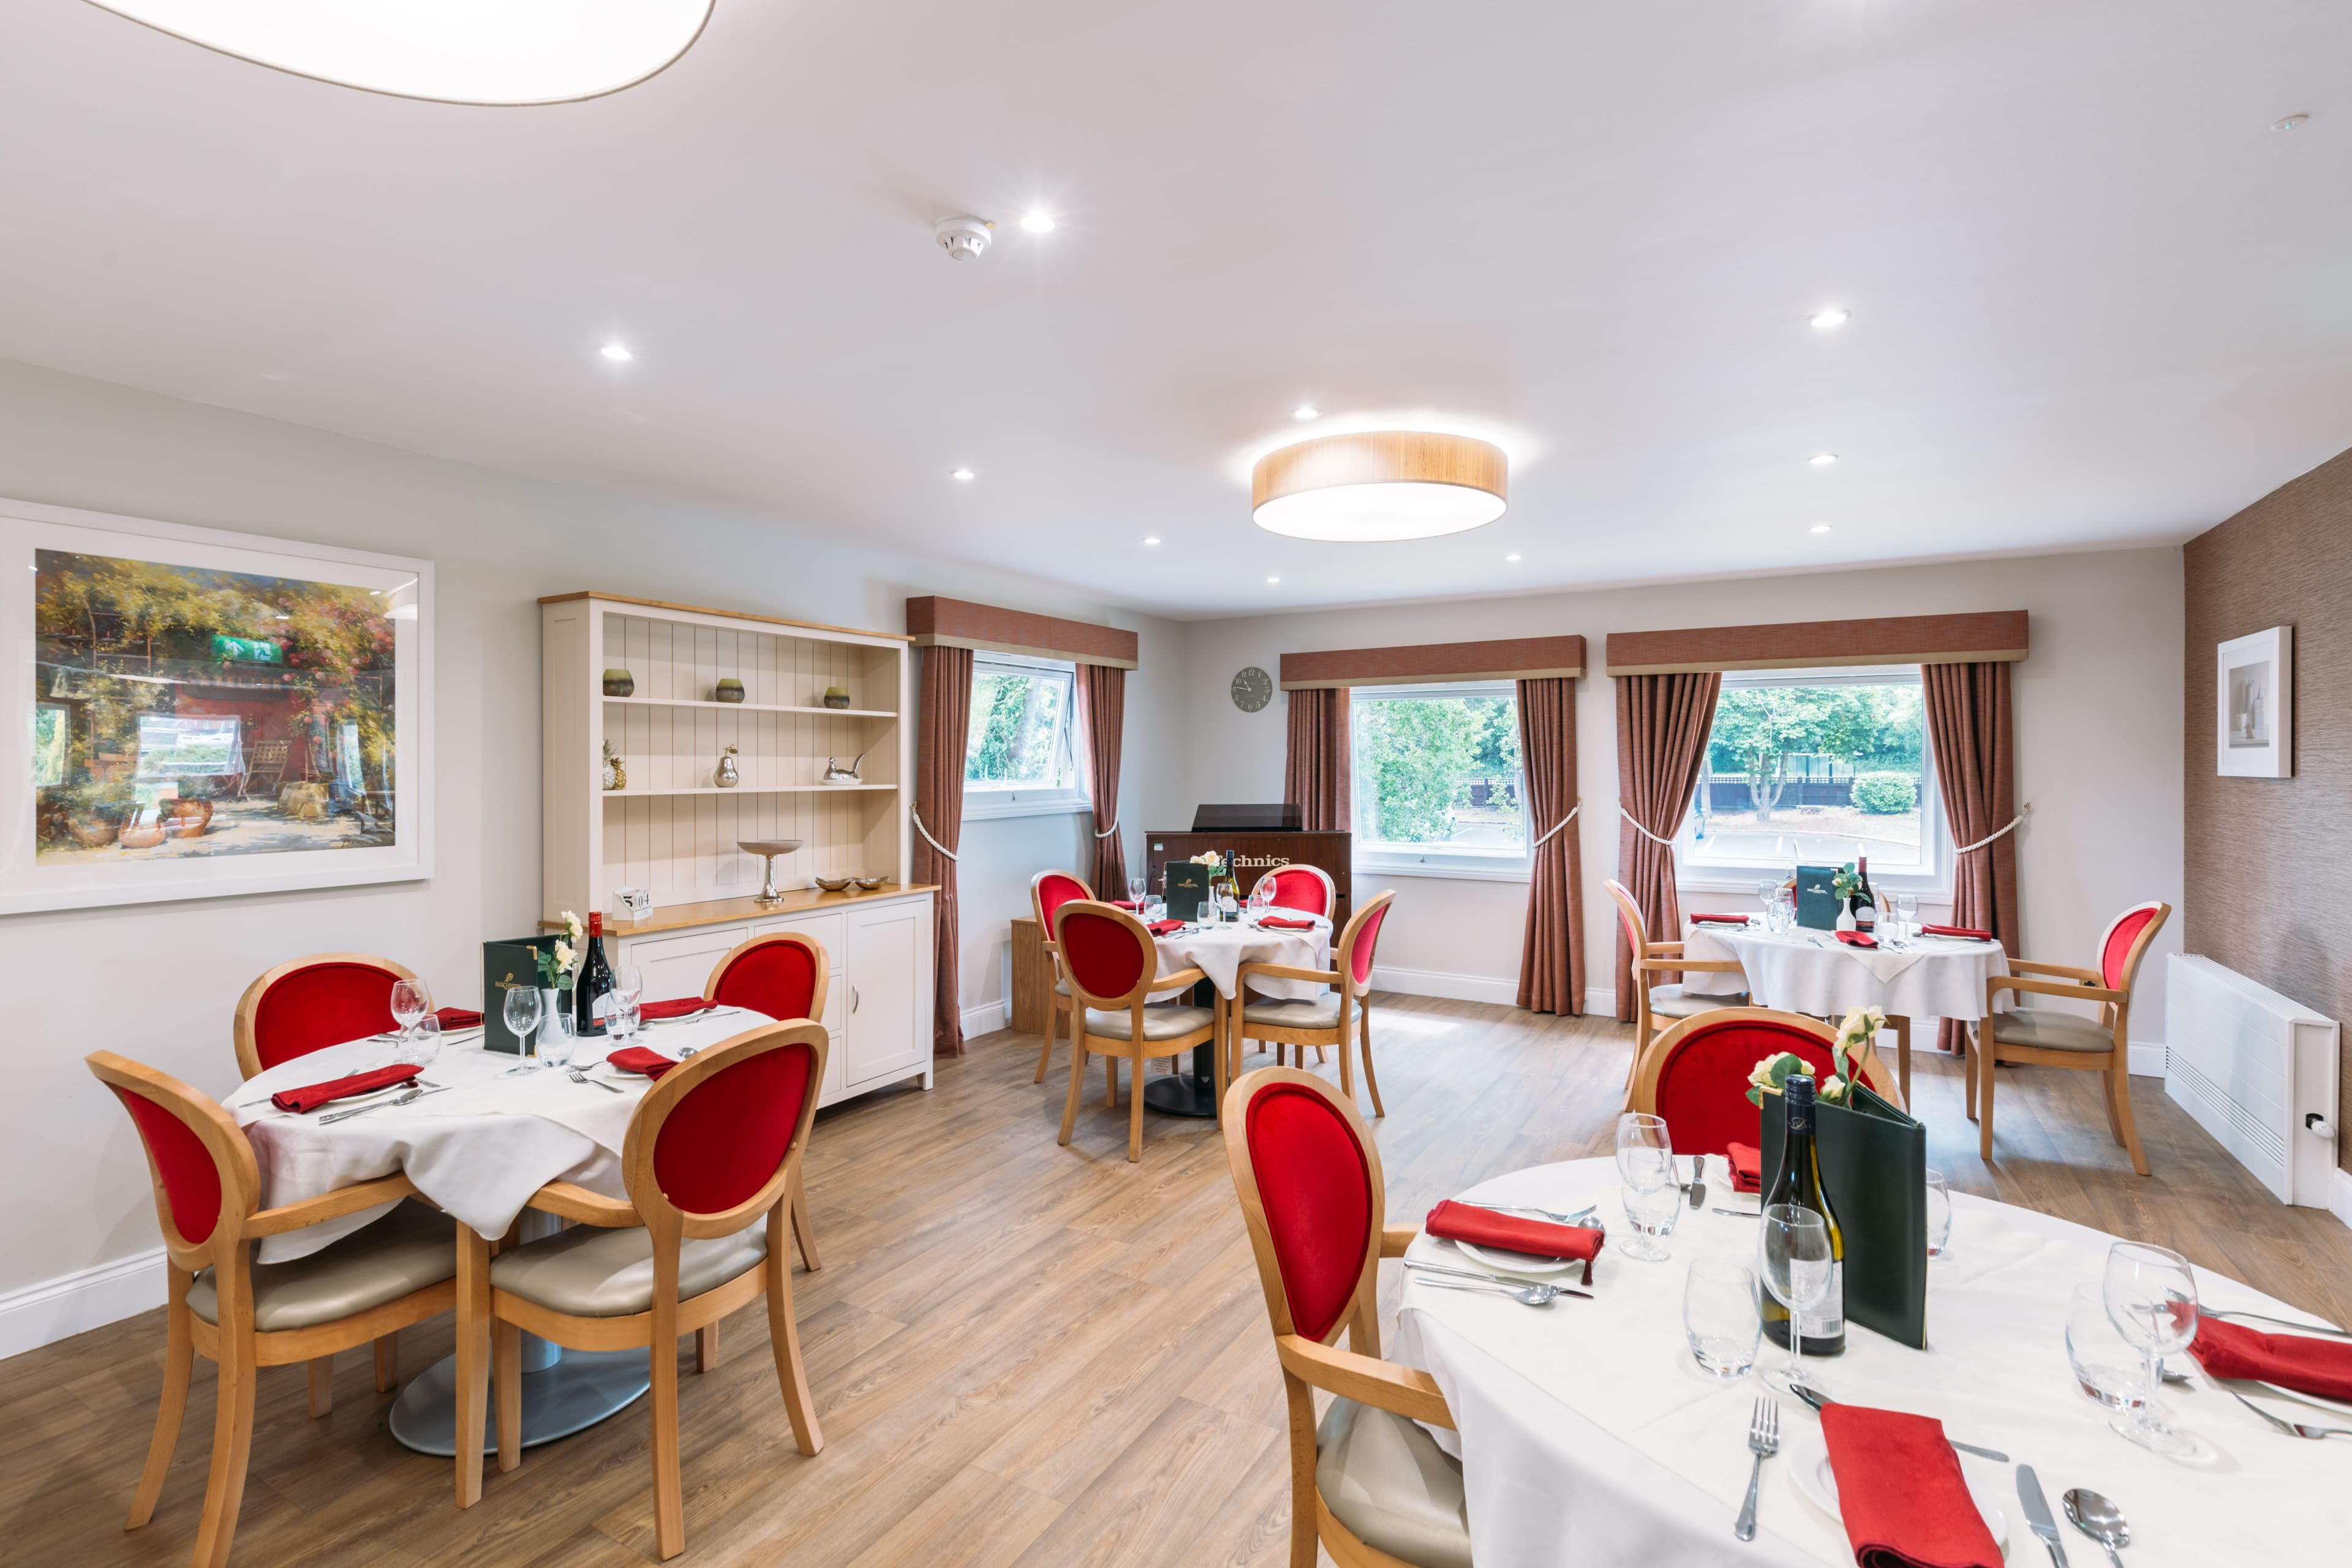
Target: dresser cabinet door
point(880, 1029)
point(676, 967)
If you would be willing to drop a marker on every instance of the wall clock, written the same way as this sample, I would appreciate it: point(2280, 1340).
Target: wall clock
point(1253, 689)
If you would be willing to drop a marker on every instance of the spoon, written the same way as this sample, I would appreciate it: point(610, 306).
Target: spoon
point(362, 1109)
point(2100, 1519)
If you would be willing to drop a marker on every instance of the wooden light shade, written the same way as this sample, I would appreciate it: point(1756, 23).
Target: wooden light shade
point(1380, 485)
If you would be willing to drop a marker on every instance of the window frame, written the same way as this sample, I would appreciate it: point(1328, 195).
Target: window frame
point(987, 801)
point(1401, 860)
point(1933, 884)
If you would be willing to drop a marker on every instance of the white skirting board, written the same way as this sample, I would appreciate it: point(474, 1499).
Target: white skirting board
point(984, 1019)
point(1503, 989)
point(52, 1309)
point(2339, 1197)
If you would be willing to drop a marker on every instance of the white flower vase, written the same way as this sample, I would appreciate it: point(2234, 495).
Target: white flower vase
point(1845, 917)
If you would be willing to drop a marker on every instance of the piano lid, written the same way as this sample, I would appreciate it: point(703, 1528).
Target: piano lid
point(1283, 818)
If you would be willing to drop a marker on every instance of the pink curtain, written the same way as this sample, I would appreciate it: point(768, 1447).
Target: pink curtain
point(1970, 731)
point(1662, 724)
point(1102, 714)
point(942, 727)
point(1315, 770)
point(1551, 951)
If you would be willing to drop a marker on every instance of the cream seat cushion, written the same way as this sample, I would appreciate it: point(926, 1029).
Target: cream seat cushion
point(1159, 1023)
point(407, 1250)
point(591, 1272)
point(1306, 1013)
point(1385, 1478)
point(1672, 1002)
point(2041, 1029)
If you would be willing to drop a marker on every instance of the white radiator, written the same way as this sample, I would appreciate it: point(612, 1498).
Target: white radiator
point(2257, 1071)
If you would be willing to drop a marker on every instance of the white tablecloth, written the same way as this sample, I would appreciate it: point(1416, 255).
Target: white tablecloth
point(1590, 1436)
point(479, 1151)
point(1220, 951)
point(1811, 972)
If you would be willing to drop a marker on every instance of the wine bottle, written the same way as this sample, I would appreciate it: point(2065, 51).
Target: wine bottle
point(594, 984)
point(1865, 902)
point(1800, 1183)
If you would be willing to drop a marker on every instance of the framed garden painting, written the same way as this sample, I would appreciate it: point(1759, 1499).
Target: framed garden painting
point(195, 713)
point(2254, 692)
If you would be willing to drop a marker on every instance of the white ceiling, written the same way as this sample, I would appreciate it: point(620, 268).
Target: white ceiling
point(2096, 299)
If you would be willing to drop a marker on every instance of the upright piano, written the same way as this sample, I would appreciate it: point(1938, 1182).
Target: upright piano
point(1257, 838)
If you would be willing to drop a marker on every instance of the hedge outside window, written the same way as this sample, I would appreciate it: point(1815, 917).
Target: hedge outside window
point(1817, 767)
point(1019, 758)
point(1439, 786)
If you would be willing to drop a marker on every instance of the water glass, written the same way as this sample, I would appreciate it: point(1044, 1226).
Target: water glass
point(1650, 1212)
point(1719, 1316)
point(2106, 1368)
point(2151, 1298)
point(1939, 1214)
point(1794, 1245)
point(410, 1001)
point(1767, 893)
point(557, 1040)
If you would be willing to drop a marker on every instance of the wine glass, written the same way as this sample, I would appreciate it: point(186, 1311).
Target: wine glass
point(1798, 1267)
point(1906, 915)
point(1261, 897)
point(2151, 1296)
point(628, 985)
point(1645, 1163)
point(1767, 894)
point(410, 1001)
point(521, 1014)
point(1136, 888)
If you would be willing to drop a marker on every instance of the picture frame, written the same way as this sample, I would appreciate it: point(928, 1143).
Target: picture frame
point(2254, 698)
point(194, 713)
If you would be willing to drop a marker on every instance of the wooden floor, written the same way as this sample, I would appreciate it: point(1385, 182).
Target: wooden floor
point(1022, 1354)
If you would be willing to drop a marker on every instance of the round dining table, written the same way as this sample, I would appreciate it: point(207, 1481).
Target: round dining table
point(1588, 1435)
point(1810, 972)
point(479, 1143)
point(1218, 949)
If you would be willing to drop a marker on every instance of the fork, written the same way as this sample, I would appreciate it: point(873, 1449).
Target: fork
point(1578, 1217)
point(2282, 1322)
point(2284, 1425)
point(1763, 1441)
point(577, 1077)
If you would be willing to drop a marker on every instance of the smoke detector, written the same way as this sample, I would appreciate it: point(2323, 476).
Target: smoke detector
point(963, 238)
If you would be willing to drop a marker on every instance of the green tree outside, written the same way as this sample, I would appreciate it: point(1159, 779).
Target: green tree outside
point(1759, 728)
point(1417, 759)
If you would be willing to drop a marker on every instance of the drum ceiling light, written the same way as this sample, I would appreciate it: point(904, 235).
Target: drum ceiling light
point(450, 51)
point(1377, 485)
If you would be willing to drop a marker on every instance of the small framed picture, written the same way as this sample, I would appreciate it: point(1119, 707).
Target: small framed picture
point(2254, 696)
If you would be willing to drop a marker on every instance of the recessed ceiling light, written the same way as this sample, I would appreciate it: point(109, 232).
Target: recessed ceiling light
point(1307, 411)
point(1151, 538)
point(1833, 317)
point(1274, 579)
point(617, 353)
point(1038, 222)
point(1820, 528)
point(1514, 556)
point(2292, 123)
point(1823, 459)
point(960, 474)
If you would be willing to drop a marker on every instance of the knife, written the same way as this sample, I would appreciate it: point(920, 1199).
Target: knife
point(2037, 1513)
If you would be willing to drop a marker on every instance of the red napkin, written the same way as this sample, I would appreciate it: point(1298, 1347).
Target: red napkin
point(1161, 928)
point(1900, 1491)
point(1124, 904)
point(1719, 920)
point(1857, 939)
point(1538, 1238)
point(2300, 1362)
point(312, 1096)
point(458, 1017)
point(637, 1059)
point(1747, 1168)
point(1958, 930)
point(1283, 922)
point(683, 1007)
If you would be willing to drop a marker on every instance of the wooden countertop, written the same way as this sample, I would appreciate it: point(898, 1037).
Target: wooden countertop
point(715, 911)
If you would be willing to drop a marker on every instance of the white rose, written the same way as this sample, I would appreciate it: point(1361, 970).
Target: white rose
point(562, 955)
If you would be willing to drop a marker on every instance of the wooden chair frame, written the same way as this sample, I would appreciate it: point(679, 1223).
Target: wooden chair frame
point(1356, 1373)
point(1353, 1006)
point(483, 1312)
point(1135, 1048)
point(1869, 1065)
point(2073, 984)
point(803, 1229)
point(1654, 958)
point(1057, 1003)
point(248, 1007)
point(232, 1342)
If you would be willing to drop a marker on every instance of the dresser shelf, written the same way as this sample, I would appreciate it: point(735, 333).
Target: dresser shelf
point(753, 707)
point(741, 789)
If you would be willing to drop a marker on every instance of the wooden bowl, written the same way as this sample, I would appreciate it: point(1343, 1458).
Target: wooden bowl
point(834, 884)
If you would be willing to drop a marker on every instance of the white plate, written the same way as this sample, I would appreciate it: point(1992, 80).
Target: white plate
point(1809, 1465)
point(1517, 1263)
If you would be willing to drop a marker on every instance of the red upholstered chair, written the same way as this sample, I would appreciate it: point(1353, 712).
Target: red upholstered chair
point(783, 974)
point(312, 1003)
point(1308, 889)
point(1695, 1073)
point(711, 1152)
point(2044, 1037)
point(1328, 1020)
point(1655, 1006)
point(220, 1304)
point(1369, 1485)
point(1049, 892)
point(1113, 967)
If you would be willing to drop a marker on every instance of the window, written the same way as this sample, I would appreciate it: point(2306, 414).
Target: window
point(1817, 767)
point(1438, 781)
point(1019, 760)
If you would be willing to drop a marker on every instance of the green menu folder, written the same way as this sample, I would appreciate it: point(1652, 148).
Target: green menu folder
point(1874, 1169)
point(1817, 901)
point(504, 965)
point(1188, 888)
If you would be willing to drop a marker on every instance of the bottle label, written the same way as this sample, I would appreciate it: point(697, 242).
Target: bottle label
point(1826, 1320)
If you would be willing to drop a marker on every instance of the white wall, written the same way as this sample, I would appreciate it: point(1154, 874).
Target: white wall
point(158, 983)
point(2098, 738)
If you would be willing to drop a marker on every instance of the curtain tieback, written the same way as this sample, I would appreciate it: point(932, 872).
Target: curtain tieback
point(1642, 830)
point(2022, 812)
point(1106, 832)
point(1556, 826)
point(927, 834)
